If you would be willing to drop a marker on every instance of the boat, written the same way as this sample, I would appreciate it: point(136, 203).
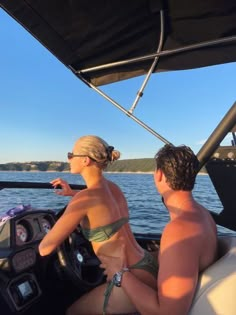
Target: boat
point(104, 42)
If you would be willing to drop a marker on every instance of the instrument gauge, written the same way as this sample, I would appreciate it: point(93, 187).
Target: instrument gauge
point(22, 233)
point(46, 225)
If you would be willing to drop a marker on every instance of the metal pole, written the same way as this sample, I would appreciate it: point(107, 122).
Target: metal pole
point(140, 92)
point(224, 127)
point(210, 43)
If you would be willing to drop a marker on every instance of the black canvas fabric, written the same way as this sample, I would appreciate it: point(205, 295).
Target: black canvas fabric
point(84, 34)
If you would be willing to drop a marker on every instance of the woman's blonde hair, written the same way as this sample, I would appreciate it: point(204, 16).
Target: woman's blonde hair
point(98, 150)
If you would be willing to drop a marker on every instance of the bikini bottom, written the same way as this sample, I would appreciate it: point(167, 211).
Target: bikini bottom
point(148, 263)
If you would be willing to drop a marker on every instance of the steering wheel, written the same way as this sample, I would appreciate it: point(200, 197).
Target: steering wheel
point(81, 265)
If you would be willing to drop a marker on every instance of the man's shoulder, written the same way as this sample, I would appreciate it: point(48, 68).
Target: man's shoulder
point(178, 226)
point(180, 231)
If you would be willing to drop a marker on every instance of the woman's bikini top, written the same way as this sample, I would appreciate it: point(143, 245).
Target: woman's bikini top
point(103, 233)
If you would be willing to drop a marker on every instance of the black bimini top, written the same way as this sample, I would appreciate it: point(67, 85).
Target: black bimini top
point(105, 41)
point(87, 34)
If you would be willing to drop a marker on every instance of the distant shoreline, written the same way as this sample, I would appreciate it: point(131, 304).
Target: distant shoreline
point(109, 172)
point(136, 166)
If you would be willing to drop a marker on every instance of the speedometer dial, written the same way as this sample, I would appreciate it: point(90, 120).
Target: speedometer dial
point(21, 233)
point(46, 225)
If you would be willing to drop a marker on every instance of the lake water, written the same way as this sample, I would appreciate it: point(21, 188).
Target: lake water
point(147, 213)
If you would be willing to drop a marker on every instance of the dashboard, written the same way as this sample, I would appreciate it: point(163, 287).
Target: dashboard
point(32, 228)
point(20, 263)
point(20, 236)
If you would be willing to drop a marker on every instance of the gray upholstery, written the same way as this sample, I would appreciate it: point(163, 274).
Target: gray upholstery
point(216, 291)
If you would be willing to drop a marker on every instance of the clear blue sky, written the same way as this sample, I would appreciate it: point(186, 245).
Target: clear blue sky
point(44, 108)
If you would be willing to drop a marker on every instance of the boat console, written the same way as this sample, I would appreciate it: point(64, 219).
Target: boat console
point(19, 239)
point(31, 284)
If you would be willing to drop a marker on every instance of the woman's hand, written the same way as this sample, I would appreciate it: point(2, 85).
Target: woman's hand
point(65, 187)
point(113, 264)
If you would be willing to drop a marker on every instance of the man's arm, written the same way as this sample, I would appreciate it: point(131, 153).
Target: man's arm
point(177, 276)
point(178, 268)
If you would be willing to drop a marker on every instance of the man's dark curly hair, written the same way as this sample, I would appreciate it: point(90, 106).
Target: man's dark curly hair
point(180, 166)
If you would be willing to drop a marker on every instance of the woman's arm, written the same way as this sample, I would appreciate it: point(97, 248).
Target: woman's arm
point(65, 225)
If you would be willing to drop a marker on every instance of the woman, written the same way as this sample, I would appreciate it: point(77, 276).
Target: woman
point(102, 212)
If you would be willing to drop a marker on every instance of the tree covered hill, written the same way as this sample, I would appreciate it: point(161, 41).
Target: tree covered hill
point(36, 166)
point(132, 165)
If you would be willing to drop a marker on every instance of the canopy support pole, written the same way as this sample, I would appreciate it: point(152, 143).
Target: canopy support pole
point(129, 113)
point(160, 45)
point(141, 123)
point(224, 127)
point(205, 44)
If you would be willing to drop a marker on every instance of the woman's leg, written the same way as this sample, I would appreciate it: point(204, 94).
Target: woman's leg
point(91, 303)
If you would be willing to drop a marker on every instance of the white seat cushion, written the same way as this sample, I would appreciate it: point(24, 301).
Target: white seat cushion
point(216, 291)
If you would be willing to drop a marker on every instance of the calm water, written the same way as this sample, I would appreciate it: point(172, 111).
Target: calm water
point(147, 214)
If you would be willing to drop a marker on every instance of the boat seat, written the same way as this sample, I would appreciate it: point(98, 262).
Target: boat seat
point(216, 290)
